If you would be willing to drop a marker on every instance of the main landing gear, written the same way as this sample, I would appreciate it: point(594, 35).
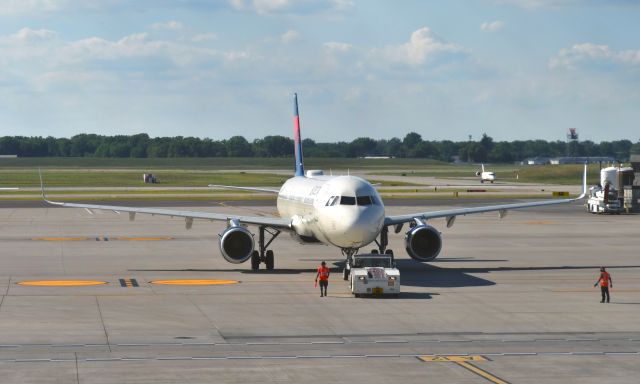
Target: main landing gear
point(382, 244)
point(262, 255)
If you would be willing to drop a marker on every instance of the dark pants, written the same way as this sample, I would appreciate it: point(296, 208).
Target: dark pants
point(605, 292)
point(323, 285)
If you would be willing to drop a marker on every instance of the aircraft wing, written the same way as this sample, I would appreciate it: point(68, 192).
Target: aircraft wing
point(9, 189)
point(252, 189)
point(502, 209)
point(274, 222)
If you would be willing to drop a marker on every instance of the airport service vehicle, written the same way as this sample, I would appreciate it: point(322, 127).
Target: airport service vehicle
point(486, 175)
point(342, 211)
point(374, 274)
point(603, 200)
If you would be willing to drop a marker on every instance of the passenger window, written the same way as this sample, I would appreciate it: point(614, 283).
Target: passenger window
point(364, 200)
point(347, 200)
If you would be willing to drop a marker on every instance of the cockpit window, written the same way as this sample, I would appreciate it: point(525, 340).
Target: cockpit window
point(364, 200)
point(347, 200)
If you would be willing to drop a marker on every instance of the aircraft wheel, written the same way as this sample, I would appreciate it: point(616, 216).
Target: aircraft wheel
point(481, 181)
point(269, 259)
point(255, 260)
point(374, 251)
point(345, 274)
point(388, 252)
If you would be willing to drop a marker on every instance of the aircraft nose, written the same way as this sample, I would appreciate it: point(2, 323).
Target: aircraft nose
point(358, 227)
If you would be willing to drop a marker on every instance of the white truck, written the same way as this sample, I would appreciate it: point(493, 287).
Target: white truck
point(374, 274)
point(603, 200)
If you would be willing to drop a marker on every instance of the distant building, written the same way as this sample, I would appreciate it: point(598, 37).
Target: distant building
point(582, 160)
point(537, 161)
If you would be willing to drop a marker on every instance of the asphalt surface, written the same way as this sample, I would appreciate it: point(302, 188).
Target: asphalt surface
point(508, 300)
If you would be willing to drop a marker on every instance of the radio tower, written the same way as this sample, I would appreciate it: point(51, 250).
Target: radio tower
point(572, 137)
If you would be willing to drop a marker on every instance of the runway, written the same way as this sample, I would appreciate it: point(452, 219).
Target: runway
point(509, 300)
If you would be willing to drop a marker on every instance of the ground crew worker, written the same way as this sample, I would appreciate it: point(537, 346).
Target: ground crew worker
point(605, 281)
point(323, 276)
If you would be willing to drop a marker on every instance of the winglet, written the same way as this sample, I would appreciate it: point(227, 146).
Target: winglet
point(44, 195)
point(584, 183)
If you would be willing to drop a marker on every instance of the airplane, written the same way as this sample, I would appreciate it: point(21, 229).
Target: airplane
point(486, 176)
point(342, 211)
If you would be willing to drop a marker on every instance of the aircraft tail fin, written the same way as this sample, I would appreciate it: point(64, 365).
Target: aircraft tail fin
point(482, 167)
point(297, 140)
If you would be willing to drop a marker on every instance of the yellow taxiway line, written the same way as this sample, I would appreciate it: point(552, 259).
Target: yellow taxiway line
point(194, 282)
point(158, 238)
point(481, 372)
point(61, 283)
point(465, 362)
point(59, 238)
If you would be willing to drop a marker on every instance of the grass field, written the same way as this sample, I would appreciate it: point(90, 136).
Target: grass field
point(567, 174)
point(133, 178)
point(199, 172)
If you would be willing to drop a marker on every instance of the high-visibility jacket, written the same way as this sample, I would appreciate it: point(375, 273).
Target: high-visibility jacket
point(323, 273)
point(604, 279)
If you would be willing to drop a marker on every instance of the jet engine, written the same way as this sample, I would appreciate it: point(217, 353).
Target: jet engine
point(423, 242)
point(236, 243)
point(478, 173)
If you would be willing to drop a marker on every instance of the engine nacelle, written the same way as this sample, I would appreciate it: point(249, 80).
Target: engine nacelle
point(236, 244)
point(478, 173)
point(423, 243)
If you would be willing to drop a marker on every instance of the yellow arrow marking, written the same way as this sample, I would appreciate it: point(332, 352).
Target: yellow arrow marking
point(452, 358)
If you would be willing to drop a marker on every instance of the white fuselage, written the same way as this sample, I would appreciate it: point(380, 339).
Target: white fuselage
point(488, 176)
point(344, 211)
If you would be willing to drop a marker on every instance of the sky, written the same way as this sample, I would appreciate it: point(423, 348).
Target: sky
point(513, 69)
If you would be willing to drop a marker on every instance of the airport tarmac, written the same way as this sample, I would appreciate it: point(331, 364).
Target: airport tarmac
point(509, 301)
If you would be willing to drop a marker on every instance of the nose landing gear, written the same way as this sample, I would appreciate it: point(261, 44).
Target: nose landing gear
point(382, 243)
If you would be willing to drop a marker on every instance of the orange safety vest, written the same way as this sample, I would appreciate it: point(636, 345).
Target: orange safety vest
point(604, 279)
point(323, 273)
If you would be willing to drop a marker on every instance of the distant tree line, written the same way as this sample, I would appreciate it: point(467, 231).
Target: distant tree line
point(411, 146)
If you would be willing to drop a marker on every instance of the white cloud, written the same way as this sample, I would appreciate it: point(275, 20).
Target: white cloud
point(290, 36)
point(492, 26)
point(423, 47)
point(333, 46)
point(202, 37)
point(589, 53)
point(260, 6)
point(28, 35)
point(167, 26)
point(237, 55)
point(343, 5)
point(13, 7)
point(555, 4)
point(298, 7)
